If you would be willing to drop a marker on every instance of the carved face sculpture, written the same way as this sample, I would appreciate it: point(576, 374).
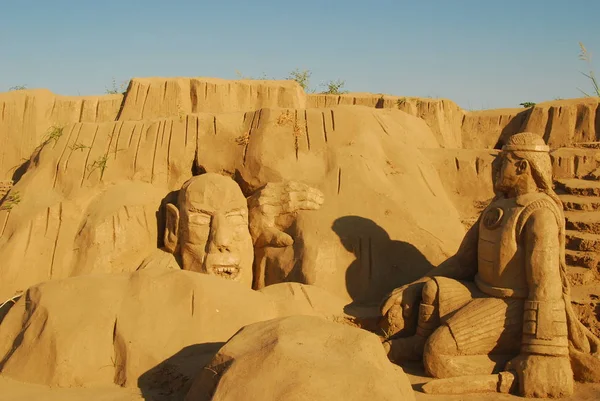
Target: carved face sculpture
point(209, 228)
point(509, 173)
point(524, 160)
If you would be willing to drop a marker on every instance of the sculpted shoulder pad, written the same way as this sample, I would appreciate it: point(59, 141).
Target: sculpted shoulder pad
point(543, 203)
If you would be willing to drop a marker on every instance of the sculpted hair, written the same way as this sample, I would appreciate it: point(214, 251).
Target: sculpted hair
point(540, 162)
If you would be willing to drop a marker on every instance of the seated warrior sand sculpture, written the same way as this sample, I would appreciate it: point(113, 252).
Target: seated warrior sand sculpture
point(502, 302)
point(214, 228)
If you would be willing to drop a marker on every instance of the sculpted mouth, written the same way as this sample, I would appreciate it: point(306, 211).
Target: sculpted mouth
point(229, 272)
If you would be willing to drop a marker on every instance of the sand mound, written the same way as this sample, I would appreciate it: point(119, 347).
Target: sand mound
point(301, 358)
point(28, 116)
point(97, 209)
point(386, 218)
point(362, 150)
point(130, 329)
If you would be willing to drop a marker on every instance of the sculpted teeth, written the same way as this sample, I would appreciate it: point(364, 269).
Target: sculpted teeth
point(226, 270)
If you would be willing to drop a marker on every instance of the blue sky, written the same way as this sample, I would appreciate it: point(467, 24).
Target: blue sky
point(479, 53)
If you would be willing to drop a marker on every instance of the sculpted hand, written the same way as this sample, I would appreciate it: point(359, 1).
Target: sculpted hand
point(541, 376)
point(406, 297)
point(273, 209)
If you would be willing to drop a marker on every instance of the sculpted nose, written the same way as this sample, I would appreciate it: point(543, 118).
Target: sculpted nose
point(220, 235)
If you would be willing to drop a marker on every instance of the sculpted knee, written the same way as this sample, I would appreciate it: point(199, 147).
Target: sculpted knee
point(430, 292)
point(439, 351)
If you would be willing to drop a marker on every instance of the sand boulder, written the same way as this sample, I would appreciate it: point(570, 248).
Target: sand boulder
point(130, 329)
point(100, 329)
point(301, 358)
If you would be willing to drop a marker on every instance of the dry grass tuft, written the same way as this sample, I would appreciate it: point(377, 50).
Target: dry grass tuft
point(11, 200)
point(243, 139)
point(286, 117)
point(586, 56)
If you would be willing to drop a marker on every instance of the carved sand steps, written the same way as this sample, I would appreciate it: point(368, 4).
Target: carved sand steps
point(574, 186)
point(581, 202)
point(588, 260)
point(582, 253)
point(585, 294)
point(588, 222)
point(580, 275)
point(582, 241)
point(582, 257)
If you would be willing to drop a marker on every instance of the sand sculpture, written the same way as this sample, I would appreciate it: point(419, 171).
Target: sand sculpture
point(209, 230)
point(300, 212)
point(368, 163)
point(502, 304)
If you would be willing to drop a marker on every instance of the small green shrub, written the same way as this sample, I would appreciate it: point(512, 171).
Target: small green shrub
point(116, 90)
point(11, 201)
point(302, 77)
point(78, 146)
point(335, 87)
point(98, 164)
point(53, 135)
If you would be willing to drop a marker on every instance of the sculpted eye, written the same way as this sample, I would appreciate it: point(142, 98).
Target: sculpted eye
point(237, 219)
point(199, 219)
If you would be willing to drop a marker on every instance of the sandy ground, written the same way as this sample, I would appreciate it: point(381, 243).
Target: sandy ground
point(583, 392)
point(11, 390)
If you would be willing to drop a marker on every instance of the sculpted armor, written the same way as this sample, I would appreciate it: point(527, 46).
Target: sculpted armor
point(545, 328)
point(501, 258)
point(502, 271)
point(516, 316)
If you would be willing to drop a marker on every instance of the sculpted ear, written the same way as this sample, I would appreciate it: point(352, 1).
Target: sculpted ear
point(172, 228)
point(522, 166)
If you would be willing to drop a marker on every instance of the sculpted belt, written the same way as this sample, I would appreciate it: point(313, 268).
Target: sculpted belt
point(499, 292)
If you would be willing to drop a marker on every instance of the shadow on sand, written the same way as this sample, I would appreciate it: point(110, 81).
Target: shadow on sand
point(381, 263)
point(170, 380)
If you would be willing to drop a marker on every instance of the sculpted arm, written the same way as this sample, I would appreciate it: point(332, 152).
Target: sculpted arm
point(543, 367)
point(544, 321)
point(543, 257)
